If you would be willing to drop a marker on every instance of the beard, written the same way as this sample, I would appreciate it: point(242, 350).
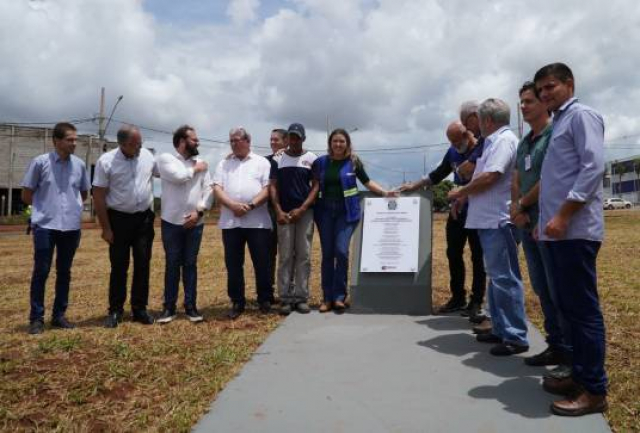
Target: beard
point(192, 150)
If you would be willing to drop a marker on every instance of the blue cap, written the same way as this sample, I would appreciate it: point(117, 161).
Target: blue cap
point(296, 128)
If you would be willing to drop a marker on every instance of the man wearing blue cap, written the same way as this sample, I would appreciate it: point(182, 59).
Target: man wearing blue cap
point(293, 191)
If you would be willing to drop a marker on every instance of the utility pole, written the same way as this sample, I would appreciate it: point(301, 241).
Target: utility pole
point(101, 116)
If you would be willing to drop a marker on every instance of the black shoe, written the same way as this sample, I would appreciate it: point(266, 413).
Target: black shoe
point(265, 307)
point(61, 323)
point(193, 314)
point(452, 306)
point(548, 357)
point(285, 309)
point(474, 312)
point(236, 311)
point(142, 316)
point(478, 318)
point(112, 320)
point(36, 327)
point(488, 338)
point(507, 349)
point(168, 314)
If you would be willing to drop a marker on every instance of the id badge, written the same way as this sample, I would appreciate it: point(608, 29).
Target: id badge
point(527, 162)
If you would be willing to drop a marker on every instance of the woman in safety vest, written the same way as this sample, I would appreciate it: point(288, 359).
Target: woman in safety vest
point(337, 212)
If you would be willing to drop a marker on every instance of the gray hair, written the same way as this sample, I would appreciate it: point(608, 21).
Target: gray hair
point(467, 109)
point(495, 109)
point(125, 133)
point(240, 130)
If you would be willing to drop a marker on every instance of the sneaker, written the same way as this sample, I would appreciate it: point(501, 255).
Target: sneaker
point(452, 306)
point(562, 371)
point(285, 309)
point(303, 308)
point(167, 316)
point(507, 349)
point(193, 314)
point(548, 357)
point(36, 327)
point(112, 320)
point(61, 323)
point(142, 316)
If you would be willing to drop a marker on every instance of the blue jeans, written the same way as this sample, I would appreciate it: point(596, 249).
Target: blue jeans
point(335, 236)
point(181, 247)
point(539, 283)
point(235, 241)
point(505, 293)
point(572, 271)
point(44, 243)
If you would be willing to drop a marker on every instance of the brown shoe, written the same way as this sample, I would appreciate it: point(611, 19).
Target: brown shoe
point(560, 386)
point(325, 307)
point(582, 404)
point(483, 328)
point(339, 307)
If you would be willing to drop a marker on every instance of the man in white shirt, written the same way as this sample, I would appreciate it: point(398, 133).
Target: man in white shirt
point(489, 195)
point(186, 193)
point(123, 196)
point(241, 185)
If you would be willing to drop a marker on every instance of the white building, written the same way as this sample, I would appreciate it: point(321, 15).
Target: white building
point(622, 179)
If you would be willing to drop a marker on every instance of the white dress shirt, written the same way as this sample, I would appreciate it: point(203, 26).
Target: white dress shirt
point(129, 180)
point(242, 180)
point(489, 209)
point(183, 190)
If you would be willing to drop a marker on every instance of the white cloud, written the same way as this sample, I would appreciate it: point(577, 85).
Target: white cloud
point(395, 69)
point(243, 11)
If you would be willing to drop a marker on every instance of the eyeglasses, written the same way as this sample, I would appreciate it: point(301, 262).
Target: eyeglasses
point(237, 140)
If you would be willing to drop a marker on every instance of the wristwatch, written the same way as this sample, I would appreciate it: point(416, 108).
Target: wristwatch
point(200, 214)
point(252, 205)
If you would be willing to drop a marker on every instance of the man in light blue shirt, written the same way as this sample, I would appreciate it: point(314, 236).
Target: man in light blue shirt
point(56, 185)
point(489, 195)
point(570, 229)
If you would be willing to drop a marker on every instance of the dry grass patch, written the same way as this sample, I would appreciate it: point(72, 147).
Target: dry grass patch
point(163, 378)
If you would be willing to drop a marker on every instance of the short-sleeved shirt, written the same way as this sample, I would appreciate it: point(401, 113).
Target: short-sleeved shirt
point(57, 185)
point(242, 180)
point(294, 179)
point(572, 171)
point(129, 180)
point(332, 185)
point(489, 209)
point(531, 149)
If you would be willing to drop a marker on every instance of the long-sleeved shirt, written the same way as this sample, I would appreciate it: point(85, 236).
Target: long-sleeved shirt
point(572, 171)
point(183, 190)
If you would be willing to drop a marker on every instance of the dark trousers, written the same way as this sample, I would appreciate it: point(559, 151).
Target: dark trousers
point(234, 241)
point(45, 241)
point(572, 274)
point(132, 233)
point(457, 237)
point(181, 247)
point(273, 253)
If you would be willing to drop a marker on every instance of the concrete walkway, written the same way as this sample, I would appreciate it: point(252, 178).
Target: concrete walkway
point(373, 373)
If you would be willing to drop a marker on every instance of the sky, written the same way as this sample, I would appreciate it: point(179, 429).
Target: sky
point(392, 71)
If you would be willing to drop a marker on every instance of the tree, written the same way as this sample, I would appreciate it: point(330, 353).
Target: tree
point(440, 191)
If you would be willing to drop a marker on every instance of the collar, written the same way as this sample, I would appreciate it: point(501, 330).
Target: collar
point(495, 133)
point(531, 138)
point(125, 157)
point(233, 156)
point(564, 106)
